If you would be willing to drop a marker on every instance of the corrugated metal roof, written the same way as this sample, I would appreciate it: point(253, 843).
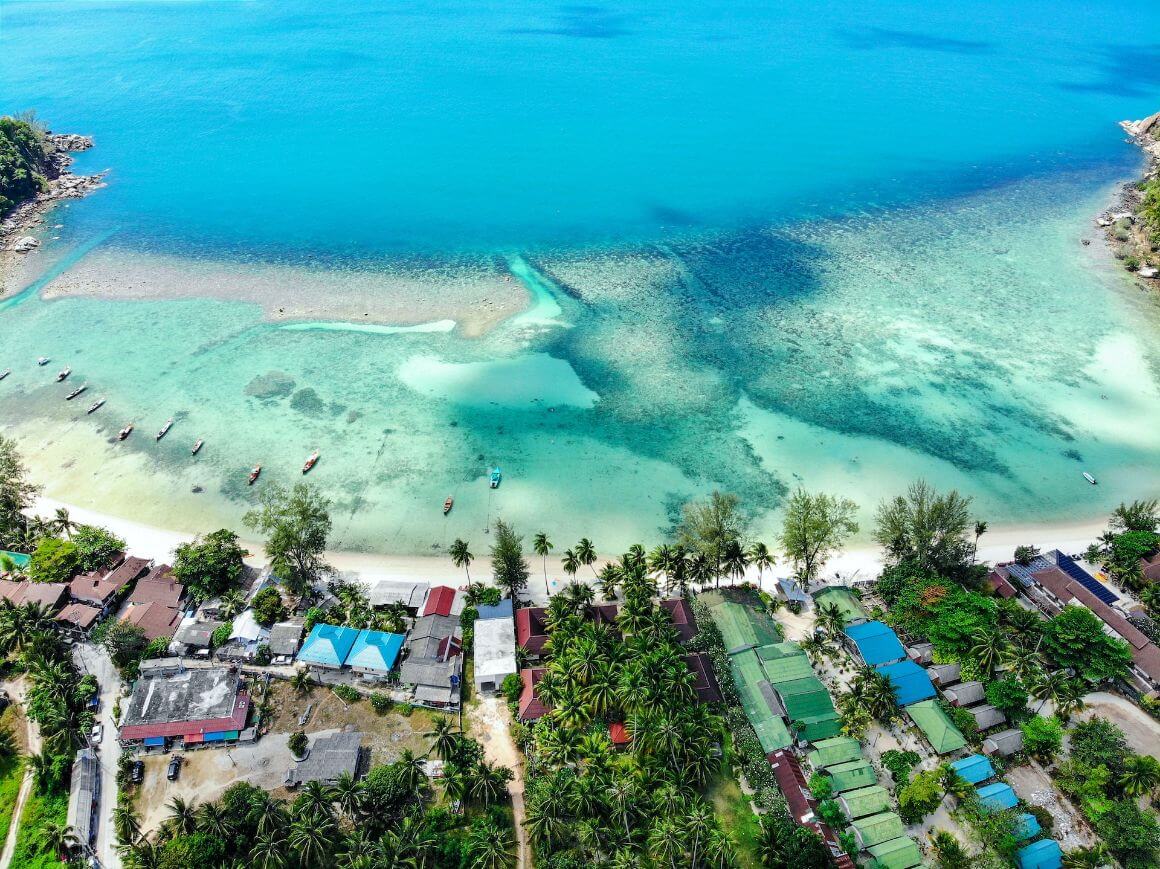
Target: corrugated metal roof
point(974, 769)
point(1044, 854)
point(910, 682)
point(328, 644)
point(938, 729)
point(876, 643)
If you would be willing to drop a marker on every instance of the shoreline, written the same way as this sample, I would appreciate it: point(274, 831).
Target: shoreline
point(858, 562)
point(1126, 235)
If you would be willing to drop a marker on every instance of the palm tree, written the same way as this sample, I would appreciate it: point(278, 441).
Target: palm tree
point(269, 851)
point(570, 563)
point(347, 794)
point(446, 739)
point(980, 530)
point(212, 819)
point(126, 824)
point(312, 837)
point(761, 558)
point(182, 818)
point(586, 554)
point(232, 603)
point(609, 578)
point(58, 839)
point(831, 619)
point(735, 560)
point(62, 524)
point(1141, 775)
point(8, 565)
point(542, 546)
point(1095, 857)
point(990, 650)
point(1069, 698)
point(146, 855)
point(489, 783)
point(411, 772)
point(301, 681)
point(1047, 685)
point(461, 557)
point(44, 771)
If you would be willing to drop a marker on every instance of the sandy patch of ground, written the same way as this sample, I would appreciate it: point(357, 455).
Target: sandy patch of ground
point(1032, 784)
point(1141, 730)
point(488, 720)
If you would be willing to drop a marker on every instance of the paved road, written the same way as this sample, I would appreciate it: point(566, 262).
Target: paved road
point(94, 660)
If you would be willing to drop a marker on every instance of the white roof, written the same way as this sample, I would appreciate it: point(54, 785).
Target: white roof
point(495, 647)
point(246, 628)
point(387, 591)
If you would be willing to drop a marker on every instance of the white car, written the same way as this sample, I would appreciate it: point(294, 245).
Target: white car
point(96, 733)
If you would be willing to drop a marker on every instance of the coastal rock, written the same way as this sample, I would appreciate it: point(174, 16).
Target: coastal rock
point(1149, 272)
point(25, 243)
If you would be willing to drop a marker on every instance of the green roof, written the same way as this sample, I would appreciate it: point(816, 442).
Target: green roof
point(821, 726)
point(866, 801)
point(938, 729)
point(900, 853)
point(805, 698)
point(844, 599)
point(772, 733)
point(852, 775)
point(840, 749)
point(743, 627)
point(879, 828)
point(774, 651)
point(788, 669)
point(749, 678)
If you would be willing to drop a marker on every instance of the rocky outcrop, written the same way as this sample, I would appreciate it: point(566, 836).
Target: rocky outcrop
point(1132, 240)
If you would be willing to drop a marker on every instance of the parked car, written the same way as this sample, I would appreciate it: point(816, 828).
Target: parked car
point(137, 771)
point(174, 768)
point(96, 733)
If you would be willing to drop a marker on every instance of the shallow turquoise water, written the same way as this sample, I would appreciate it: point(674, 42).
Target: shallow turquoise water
point(761, 247)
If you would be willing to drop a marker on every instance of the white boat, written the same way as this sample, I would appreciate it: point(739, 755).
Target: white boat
point(311, 462)
point(197, 446)
point(496, 476)
point(95, 405)
point(43, 360)
point(64, 372)
point(1090, 478)
point(165, 428)
point(5, 373)
point(76, 392)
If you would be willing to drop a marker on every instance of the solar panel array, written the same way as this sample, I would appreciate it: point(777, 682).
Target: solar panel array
point(1081, 576)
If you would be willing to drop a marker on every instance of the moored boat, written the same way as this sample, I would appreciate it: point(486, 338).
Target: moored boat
point(197, 447)
point(165, 428)
point(64, 372)
point(43, 360)
point(496, 476)
point(76, 392)
point(95, 405)
point(125, 432)
point(311, 462)
point(254, 471)
point(5, 373)
point(1090, 478)
point(447, 505)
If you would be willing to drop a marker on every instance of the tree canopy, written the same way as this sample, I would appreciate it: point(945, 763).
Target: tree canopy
point(209, 566)
point(815, 526)
point(508, 565)
point(16, 492)
point(23, 158)
point(927, 529)
point(296, 523)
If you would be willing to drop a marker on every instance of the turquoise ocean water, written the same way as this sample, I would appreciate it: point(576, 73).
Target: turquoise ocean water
point(757, 245)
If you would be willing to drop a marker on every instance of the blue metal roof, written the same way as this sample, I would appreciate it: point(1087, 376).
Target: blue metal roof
point(1026, 826)
point(974, 769)
point(328, 644)
point(375, 650)
point(877, 643)
point(998, 796)
point(910, 682)
point(502, 610)
point(1044, 854)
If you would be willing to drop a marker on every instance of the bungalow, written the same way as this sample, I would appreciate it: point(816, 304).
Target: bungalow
point(374, 653)
point(618, 734)
point(965, 694)
point(851, 775)
point(502, 610)
point(154, 603)
point(844, 599)
point(1004, 743)
point(900, 853)
point(875, 643)
point(921, 653)
point(49, 596)
point(876, 829)
point(973, 769)
point(531, 708)
point(330, 758)
point(684, 621)
point(859, 803)
point(997, 797)
point(495, 653)
point(155, 620)
point(705, 685)
point(443, 600)
point(77, 619)
point(328, 646)
point(285, 638)
point(195, 635)
point(791, 591)
point(158, 586)
point(101, 589)
point(909, 681)
point(944, 674)
point(532, 630)
point(938, 729)
point(1044, 854)
point(986, 716)
point(837, 749)
point(410, 594)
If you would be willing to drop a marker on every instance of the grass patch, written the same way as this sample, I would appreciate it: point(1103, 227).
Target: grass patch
point(11, 775)
point(38, 812)
point(732, 808)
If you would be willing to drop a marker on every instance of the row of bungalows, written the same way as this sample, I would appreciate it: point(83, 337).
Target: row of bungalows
point(1053, 580)
point(971, 696)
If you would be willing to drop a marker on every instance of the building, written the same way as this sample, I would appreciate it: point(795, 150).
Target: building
point(938, 729)
point(859, 803)
point(532, 630)
point(84, 796)
point(965, 694)
point(1004, 743)
point(877, 829)
point(195, 636)
point(909, 681)
point(49, 596)
point(433, 665)
point(791, 781)
point(837, 749)
point(973, 769)
point(791, 591)
point(246, 637)
point(531, 708)
point(1052, 581)
point(681, 613)
point(285, 638)
point(851, 775)
point(1044, 854)
point(502, 610)
point(102, 589)
point(155, 620)
point(158, 586)
point(921, 653)
point(944, 674)
point(374, 653)
point(705, 685)
point(997, 797)
point(328, 646)
point(495, 653)
point(986, 716)
point(77, 619)
point(410, 595)
point(844, 599)
point(875, 643)
point(900, 853)
point(443, 600)
point(195, 706)
point(329, 759)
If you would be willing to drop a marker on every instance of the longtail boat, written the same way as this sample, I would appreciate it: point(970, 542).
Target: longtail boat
point(76, 392)
point(197, 447)
point(65, 372)
point(5, 373)
point(257, 469)
point(447, 505)
point(125, 432)
point(311, 462)
point(496, 476)
point(95, 405)
point(43, 360)
point(165, 428)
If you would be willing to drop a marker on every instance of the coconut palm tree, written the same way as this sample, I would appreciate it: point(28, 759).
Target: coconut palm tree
point(182, 818)
point(212, 819)
point(232, 603)
point(761, 558)
point(586, 553)
point(544, 822)
point(489, 784)
point(990, 651)
point(542, 546)
point(1069, 698)
point(411, 770)
point(58, 839)
point(609, 578)
point(62, 523)
point(734, 560)
point(269, 851)
point(461, 557)
point(1141, 775)
point(980, 530)
point(301, 681)
point(832, 620)
point(272, 818)
point(312, 837)
point(570, 563)
point(446, 740)
point(347, 794)
point(145, 855)
point(126, 824)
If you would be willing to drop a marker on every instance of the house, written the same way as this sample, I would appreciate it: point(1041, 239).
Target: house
point(495, 653)
point(195, 706)
point(531, 708)
point(1044, 854)
point(329, 759)
point(434, 637)
point(285, 638)
point(996, 797)
point(851, 775)
point(844, 599)
point(443, 600)
point(328, 646)
point(879, 828)
point(195, 635)
point(1150, 568)
point(973, 769)
point(374, 653)
point(684, 621)
point(986, 716)
point(837, 749)
point(156, 620)
point(49, 596)
point(84, 796)
point(900, 853)
point(909, 681)
point(101, 589)
point(532, 630)
point(1004, 743)
point(938, 729)
point(944, 674)
point(791, 591)
point(1052, 581)
point(921, 653)
point(965, 694)
point(859, 803)
point(433, 665)
point(1026, 826)
point(875, 643)
point(410, 594)
point(246, 635)
point(77, 619)
point(502, 610)
point(158, 586)
point(618, 734)
point(704, 680)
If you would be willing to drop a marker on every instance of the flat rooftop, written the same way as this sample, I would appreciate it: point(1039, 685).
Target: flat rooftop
point(188, 696)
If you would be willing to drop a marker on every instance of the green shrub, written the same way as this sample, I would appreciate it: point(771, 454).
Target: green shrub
point(899, 763)
point(297, 743)
point(512, 687)
point(221, 634)
point(347, 694)
point(54, 560)
point(381, 703)
point(406, 709)
point(821, 786)
point(1132, 263)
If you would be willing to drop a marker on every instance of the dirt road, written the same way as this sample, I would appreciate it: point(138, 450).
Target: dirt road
point(489, 724)
point(1141, 730)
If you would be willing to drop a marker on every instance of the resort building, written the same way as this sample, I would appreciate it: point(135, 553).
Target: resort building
point(900, 853)
point(974, 769)
point(102, 589)
point(531, 708)
point(705, 684)
point(838, 749)
point(844, 599)
point(921, 653)
point(684, 621)
point(495, 653)
point(328, 646)
point(965, 694)
point(791, 781)
point(374, 653)
point(1004, 743)
point(285, 638)
point(532, 630)
point(329, 759)
point(874, 643)
point(433, 665)
point(196, 706)
point(878, 829)
point(1044, 854)
point(997, 797)
point(410, 595)
point(851, 775)
point(154, 619)
point(1052, 581)
point(936, 726)
point(443, 600)
point(77, 619)
point(986, 716)
point(84, 796)
point(791, 591)
point(50, 596)
point(865, 801)
point(502, 610)
point(909, 681)
point(944, 674)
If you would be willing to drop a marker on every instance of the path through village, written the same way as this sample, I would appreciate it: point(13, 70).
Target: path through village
point(489, 724)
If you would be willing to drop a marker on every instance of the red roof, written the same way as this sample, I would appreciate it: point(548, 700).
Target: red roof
point(155, 619)
point(158, 587)
point(618, 733)
point(708, 691)
point(531, 634)
point(683, 619)
point(791, 781)
point(237, 721)
point(439, 601)
point(531, 708)
point(1001, 584)
point(79, 614)
point(94, 588)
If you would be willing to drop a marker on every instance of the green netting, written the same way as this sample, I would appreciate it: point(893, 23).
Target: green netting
point(900, 853)
point(879, 828)
point(852, 775)
point(828, 752)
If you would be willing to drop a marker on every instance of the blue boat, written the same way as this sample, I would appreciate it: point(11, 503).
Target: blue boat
point(496, 476)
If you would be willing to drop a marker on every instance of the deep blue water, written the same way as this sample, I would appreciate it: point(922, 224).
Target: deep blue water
point(310, 129)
